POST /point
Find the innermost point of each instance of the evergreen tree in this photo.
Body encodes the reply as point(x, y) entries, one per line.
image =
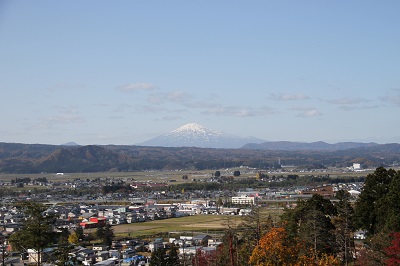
point(106, 234)
point(173, 257)
point(388, 207)
point(367, 214)
point(79, 233)
point(100, 233)
point(318, 232)
point(64, 247)
point(344, 227)
point(158, 257)
point(377, 211)
point(37, 229)
point(311, 221)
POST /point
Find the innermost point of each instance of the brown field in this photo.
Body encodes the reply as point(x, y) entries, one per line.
point(195, 223)
point(188, 223)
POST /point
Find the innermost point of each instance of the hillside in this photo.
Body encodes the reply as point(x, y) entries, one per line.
point(37, 158)
point(318, 146)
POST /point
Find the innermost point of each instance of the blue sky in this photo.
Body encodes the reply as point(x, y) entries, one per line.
point(121, 72)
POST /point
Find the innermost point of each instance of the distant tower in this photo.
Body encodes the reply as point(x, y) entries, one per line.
point(279, 161)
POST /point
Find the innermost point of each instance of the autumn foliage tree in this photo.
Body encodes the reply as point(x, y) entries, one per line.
point(203, 258)
point(277, 248)
point(73, 238)
point(393, 251)
point(374, 252)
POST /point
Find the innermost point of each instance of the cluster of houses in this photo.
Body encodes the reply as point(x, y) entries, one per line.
point(90, 211)
point(141, 209)
point(124, 253)
point(91, 216)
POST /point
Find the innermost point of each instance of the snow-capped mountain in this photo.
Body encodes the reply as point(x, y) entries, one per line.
point(195, 135)
point(71, 143)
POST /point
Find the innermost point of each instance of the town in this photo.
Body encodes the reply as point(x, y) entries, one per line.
point(92, 203)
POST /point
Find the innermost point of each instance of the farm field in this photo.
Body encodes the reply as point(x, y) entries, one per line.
point(160, 176)
point(196, 223)
point(155, 176)
point(202, 223)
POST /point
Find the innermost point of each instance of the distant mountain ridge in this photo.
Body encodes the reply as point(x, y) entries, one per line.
point(41, 158)
point(195, 135)
point(319, 145)
point(82, 159)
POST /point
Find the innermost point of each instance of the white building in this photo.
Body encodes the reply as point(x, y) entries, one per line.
point(243, 200)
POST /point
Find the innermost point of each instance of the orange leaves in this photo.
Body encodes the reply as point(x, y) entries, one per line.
point(327, 260)
point(277, 248)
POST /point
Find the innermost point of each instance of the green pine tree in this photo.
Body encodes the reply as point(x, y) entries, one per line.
point(158, 257)
point(173, 257)
point(37, 229)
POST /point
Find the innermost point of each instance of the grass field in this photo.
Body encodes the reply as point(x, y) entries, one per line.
point(196, 223)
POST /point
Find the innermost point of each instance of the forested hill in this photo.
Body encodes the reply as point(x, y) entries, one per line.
point(319, 145)
point(37, 158)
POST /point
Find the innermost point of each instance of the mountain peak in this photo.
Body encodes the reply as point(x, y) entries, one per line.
point(195, 135)
point(193, 127)
point(71, 143)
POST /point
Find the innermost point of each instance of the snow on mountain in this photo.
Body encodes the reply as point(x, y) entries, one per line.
point(195, 135)
point(71, 143)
